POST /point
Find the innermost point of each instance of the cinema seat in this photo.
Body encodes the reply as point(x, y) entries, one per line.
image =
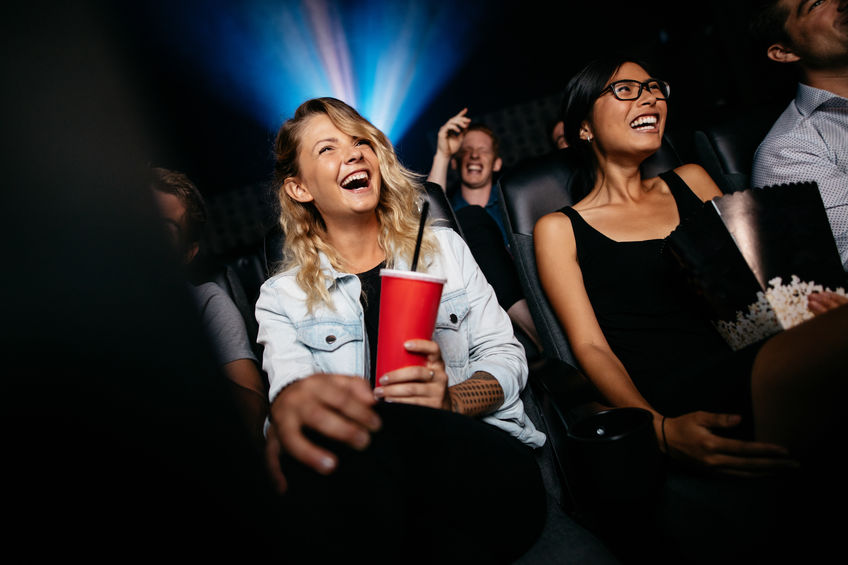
point(228, 279)
point(441, 210)
point(239, 276)
point(726, 149)
point(272, 248)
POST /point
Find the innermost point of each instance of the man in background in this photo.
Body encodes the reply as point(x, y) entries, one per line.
point(809, 141)
point(472, 148)
point(184, 213)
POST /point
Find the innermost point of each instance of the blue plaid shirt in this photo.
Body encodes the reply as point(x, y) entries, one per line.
point(809, 142)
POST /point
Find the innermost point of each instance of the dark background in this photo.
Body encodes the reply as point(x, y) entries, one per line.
point(121, 439)
point(525, 51)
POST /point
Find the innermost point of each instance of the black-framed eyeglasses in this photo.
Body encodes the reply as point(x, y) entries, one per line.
point(632, 89)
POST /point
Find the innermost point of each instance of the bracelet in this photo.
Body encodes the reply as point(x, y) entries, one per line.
point(665, 442)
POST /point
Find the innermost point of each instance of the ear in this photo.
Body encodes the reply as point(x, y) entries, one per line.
point(782, 54)
point(496, 166)
point(191, 252)
point(296, 190)
point(586, 131)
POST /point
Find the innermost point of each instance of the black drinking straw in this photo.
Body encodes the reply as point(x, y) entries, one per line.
point(425, 207)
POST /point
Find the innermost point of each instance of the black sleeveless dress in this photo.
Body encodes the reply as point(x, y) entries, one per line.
point(655, 325)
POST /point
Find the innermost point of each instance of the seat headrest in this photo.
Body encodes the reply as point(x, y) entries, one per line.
point(441, 210)
point(273, 248)
point(726, 149)
point(665, 159)
point(736, 140)
point(536, 187)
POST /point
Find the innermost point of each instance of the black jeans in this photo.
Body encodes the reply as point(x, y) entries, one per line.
point(433, 487)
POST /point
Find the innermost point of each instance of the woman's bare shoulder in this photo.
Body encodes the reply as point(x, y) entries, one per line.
point(553, 223)
point(552, 232)
point(699, 181)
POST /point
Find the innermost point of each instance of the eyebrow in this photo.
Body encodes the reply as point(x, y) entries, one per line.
point(330, 139)
point(170, 222)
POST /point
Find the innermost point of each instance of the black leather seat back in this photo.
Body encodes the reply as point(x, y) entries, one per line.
point(663, 160)
point(273, 248)
point(726, 149)
point(229, 280)
point(240, 276)
point(528, 192)
point(441, 210)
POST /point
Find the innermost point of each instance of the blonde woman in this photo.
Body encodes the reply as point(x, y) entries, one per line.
point(443, 451)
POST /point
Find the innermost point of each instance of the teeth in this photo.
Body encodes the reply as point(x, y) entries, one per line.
point(355, 176)
point(644, 121)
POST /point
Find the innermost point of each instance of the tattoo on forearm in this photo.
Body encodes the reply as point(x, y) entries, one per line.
point(478, 396)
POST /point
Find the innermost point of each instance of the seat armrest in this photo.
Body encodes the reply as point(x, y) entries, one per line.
point(563, 396)
point(570, 391)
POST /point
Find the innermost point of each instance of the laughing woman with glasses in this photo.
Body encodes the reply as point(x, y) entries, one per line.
point(635, 330)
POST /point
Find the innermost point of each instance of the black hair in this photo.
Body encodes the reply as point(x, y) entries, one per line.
point(178, 184)
point(580, 94)
point(480, 126)
point(768, 25)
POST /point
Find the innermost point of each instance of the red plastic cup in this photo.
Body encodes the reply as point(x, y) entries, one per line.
point(409, 302)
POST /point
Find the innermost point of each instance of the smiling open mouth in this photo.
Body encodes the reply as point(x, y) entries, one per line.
point(644, 122)
point(355, 180)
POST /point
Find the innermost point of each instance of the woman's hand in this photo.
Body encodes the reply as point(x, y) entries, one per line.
point(691, 437)
point(821, 302)
point(338, 406)
point(451, 134)
point(425, 386)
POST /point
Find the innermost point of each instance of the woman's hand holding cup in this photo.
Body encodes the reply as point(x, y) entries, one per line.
point(425, 385)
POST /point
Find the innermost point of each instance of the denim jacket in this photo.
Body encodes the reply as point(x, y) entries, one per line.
point(472, 331)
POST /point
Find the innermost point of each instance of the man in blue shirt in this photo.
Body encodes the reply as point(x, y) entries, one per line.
point(472, 149)
point(809, 142)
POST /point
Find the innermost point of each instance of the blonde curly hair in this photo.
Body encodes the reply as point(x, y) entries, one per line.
point(304, 229)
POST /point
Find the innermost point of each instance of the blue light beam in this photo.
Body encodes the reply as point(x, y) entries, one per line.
point(388, 59)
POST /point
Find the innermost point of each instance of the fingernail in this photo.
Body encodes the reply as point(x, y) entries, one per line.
point(327, 464)
point(408, 344)
point(378, 392)
point(384, 380)
point(361, 440)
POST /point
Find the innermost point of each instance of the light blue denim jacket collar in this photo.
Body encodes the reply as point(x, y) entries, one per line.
point(349, 281)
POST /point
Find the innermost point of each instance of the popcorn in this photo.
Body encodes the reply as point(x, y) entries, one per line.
point(780, 307)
